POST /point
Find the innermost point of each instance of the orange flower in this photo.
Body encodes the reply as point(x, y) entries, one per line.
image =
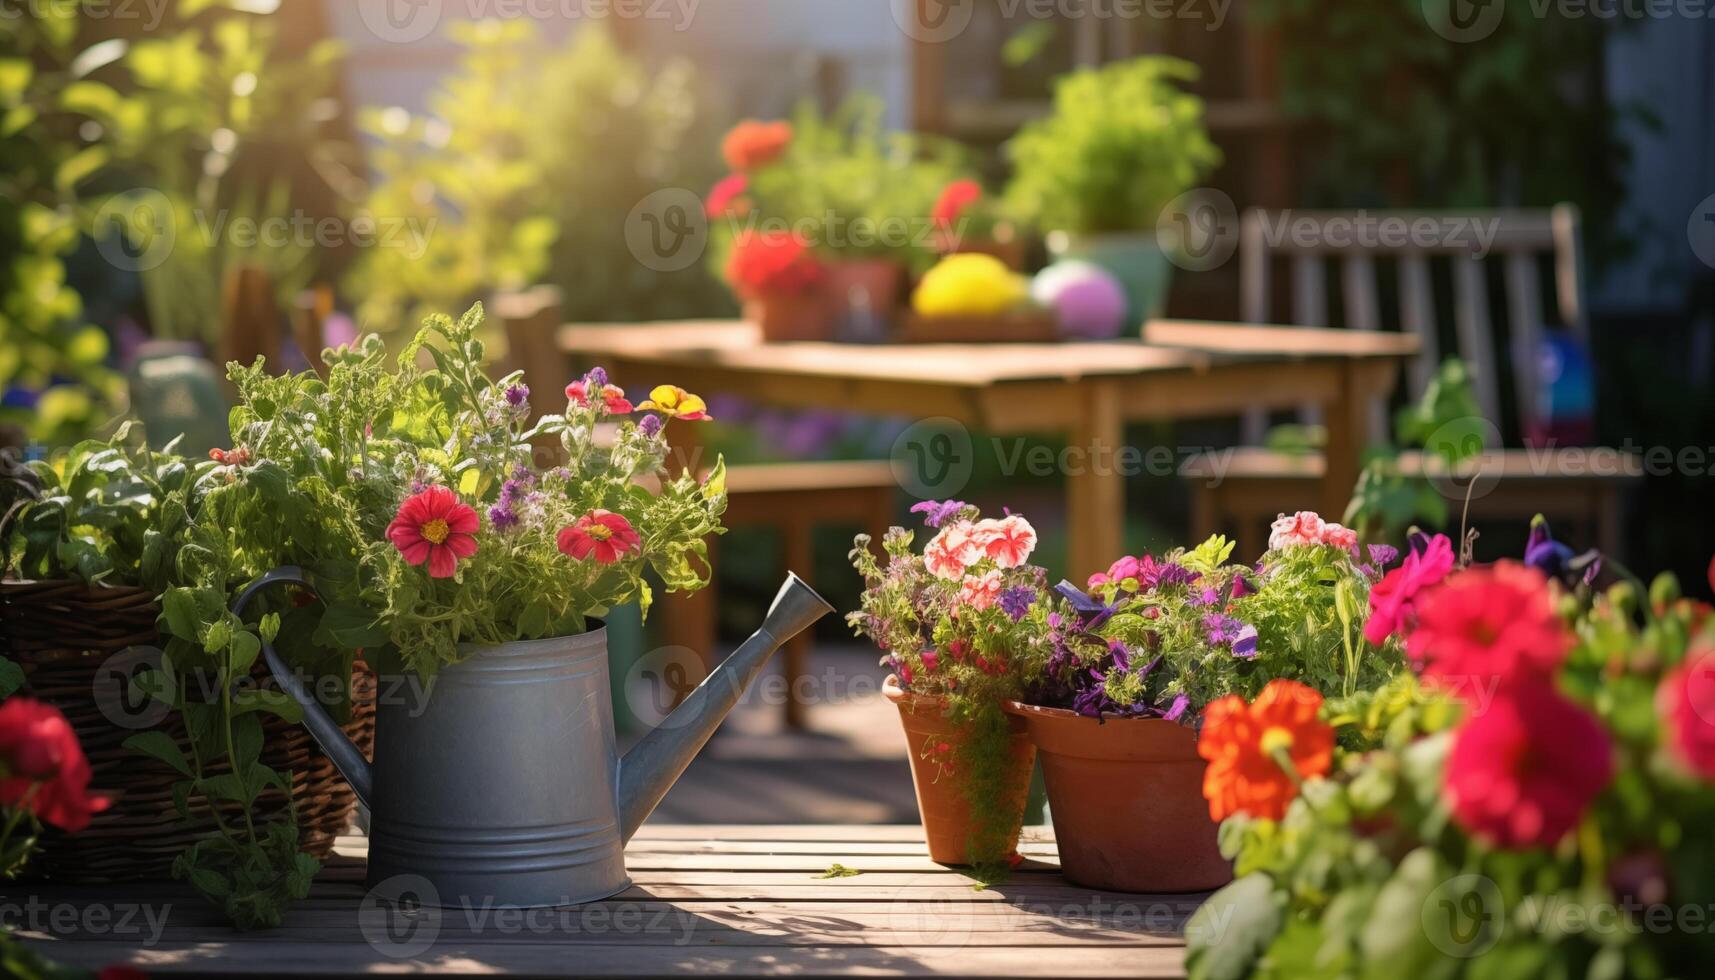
point(1247, 744)
point(752, 144)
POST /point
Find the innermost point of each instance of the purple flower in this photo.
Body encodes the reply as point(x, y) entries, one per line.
point(1244, 645)
point(1383, 555)
point(518, 395)
point(1174, 574)
point(1091, 612)
point(1227, 631)
point(502, 517)
point(1207, 597)
point(937, 512)
point(650, 426)
point(513, 489)
point(1177, 709)
point(1016, 601)
point(596, 379)
point(1543, 553)
point(1242, 586)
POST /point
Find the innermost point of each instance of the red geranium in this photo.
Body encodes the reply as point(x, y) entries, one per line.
point(435, 527)
point(43, 768)
point(726, 194)
point(752, 144)
point(1246, 744)
point(954, 199)
point(1687, 701)
point(1522, 773)
point(771, 262)
point(1491, 624)
point(602, 534)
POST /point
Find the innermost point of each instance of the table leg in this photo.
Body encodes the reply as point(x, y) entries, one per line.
point(1095, 487)
point(1348, 427)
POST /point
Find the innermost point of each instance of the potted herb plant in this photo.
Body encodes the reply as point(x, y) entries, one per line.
point(1122, 142)
point(955, 624)
point(1131, 668)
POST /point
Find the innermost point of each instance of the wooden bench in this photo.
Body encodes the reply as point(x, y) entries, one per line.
point(1564, 483)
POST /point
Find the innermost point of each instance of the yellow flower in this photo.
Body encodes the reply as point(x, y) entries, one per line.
point(676, 403)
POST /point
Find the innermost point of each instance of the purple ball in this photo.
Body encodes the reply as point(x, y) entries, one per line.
point(1089, 301)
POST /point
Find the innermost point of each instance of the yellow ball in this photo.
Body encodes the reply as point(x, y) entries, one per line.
point(968, 284)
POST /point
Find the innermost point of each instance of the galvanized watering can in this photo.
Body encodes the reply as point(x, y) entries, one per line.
point(503, 787)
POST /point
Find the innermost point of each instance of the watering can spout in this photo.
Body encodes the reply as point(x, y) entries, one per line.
point(655, 763)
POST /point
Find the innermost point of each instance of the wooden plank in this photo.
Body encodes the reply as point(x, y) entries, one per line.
point(1524, 331)
point(1476, 340)
point(1417, 318)
point(1096, 487)
point(1363, 312)
point(1262, 342)
point(1309, 292)
point(1254, 286)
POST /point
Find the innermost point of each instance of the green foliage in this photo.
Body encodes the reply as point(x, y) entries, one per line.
point(1449, 426)
point(1370, 877)
point(853, 188)
point(45, 161)
point(1122, 142)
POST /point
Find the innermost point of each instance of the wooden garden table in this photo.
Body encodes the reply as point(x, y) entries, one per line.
point(1085, 391)
point(732, 900)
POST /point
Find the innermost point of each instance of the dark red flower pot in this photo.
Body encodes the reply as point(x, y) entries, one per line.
point(1126, 796)
point(941, 799)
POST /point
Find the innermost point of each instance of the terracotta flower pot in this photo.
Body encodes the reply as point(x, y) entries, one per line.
point(879, 282)
point(796, 315)
point(1127, 801)
point(946, 813)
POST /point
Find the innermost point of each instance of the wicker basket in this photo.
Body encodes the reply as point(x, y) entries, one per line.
point(63, 633)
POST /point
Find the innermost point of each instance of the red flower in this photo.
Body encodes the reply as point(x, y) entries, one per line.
point(42, 767)
point(954, 199)
point(1687, 702)
point(1493, 624)
point(726, 195)
point(1393, 600)
point(753, 144)
point(435, 527)
point(1241, 743)
point(1522, 773)
point(612, 397)
point(771, 262)
point(601, 533)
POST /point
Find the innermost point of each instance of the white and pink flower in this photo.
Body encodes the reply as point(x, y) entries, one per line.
point(981, 591)
point(953, 550)
point(1008, 541)
point(1307, 528)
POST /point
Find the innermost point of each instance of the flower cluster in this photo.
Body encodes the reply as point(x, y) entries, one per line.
point(1162, 637)
point(772, 262)
point(1258, 753)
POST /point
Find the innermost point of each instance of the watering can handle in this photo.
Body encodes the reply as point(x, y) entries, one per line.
point(327, 733)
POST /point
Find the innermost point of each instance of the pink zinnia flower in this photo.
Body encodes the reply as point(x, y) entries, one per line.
point(1522, 773)
point(1393, 600)
point(1008, 541)
point(981, 591)
point(951, 551)
point(1495, 623)
point(606, 536)
point(435, 527)
point(612, 397)
point(1687, 702)
point(1302, 528)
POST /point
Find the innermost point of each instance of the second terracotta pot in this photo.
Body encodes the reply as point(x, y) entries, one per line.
point(941, 800)
point(800, 315)
point(1126, 796)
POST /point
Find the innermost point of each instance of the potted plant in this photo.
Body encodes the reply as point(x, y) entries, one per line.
point(782, 285)
point(955, 624)
point(1133, 667)
point(1518, 803)
point(417, 517)
point(966, 219)
point(1122, 142)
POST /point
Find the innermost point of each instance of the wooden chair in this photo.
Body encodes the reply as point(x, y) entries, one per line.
point(794, 498)
point(1567, 484)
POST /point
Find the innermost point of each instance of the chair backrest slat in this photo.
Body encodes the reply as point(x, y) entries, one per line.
point(1476, 339)
point(1524, 329)
point(1253, 269)
point(1358, 287)
point(1309, 292)
point(1417, 316)
point(1568, 266)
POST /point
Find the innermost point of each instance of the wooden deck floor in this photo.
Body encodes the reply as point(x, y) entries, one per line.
point(729, 900)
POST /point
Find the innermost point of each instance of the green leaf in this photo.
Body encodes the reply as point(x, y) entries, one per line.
point(179, 609)
point(348, 627)
point(277, 703)
point(1229, 932)
point(11, 678)
point(159, 745)
point(246, 740)
point(243, 653)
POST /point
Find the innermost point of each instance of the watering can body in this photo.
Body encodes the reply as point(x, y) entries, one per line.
point(497, 781)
